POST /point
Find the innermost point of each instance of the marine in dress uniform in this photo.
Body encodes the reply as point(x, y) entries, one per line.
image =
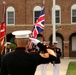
point(56, 63)
point(20, 62)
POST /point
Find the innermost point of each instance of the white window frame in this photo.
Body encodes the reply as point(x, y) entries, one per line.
point(10, 9)
point(36, 8)
point(57, 7)
point(73, 8)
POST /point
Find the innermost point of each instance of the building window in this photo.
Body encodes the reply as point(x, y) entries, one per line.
point(57, 14)
point(73, 13)
point(37, 13)
point(10, 16)
point(37, 10)
point(73, 16)
point(74, 43)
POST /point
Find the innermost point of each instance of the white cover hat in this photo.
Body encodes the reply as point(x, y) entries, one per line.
point(22, 33)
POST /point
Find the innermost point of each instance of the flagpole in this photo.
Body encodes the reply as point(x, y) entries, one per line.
point(53, 22)
point(4, 16)
point(5, 22)
point(43, 2)
point(3, 11)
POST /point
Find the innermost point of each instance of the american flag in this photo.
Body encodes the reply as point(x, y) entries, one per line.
point(39, 25)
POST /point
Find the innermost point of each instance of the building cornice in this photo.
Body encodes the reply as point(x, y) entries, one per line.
point(45, 25)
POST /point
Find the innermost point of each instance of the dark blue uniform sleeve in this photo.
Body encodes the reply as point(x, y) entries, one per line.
point(42, 47)
point(59, 52)
point(40, 60)
point(3, 68)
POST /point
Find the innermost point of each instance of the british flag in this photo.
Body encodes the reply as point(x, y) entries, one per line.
point(39, 25)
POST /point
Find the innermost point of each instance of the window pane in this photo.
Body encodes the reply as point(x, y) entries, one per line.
point(10, 17)
point(11, 21)
point(57, 12)
point(37, 13)
point(74, 12)
point(73, 15)
point(73, 19)
point(57, 16)
point(35, 19)
point(57, 20)
point(10, 14)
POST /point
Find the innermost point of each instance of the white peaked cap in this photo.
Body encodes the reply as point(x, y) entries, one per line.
point(22, 33)
point(55, 42)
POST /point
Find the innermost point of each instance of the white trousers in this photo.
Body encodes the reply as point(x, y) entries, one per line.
point(56, 68)
point(43, 69)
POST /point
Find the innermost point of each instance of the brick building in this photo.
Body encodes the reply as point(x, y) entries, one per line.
point(21, 15)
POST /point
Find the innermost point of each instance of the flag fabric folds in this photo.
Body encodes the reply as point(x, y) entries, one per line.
point(2, 30)
point(38, 26)
point(2, 35)
point(3, 27)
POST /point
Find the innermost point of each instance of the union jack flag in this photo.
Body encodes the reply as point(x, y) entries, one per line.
point(39, 25)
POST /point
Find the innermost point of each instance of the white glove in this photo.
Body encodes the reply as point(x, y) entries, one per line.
point(35, 41)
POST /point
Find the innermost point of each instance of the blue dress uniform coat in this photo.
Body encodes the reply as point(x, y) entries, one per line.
point(58, 53)
point(20, 62)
